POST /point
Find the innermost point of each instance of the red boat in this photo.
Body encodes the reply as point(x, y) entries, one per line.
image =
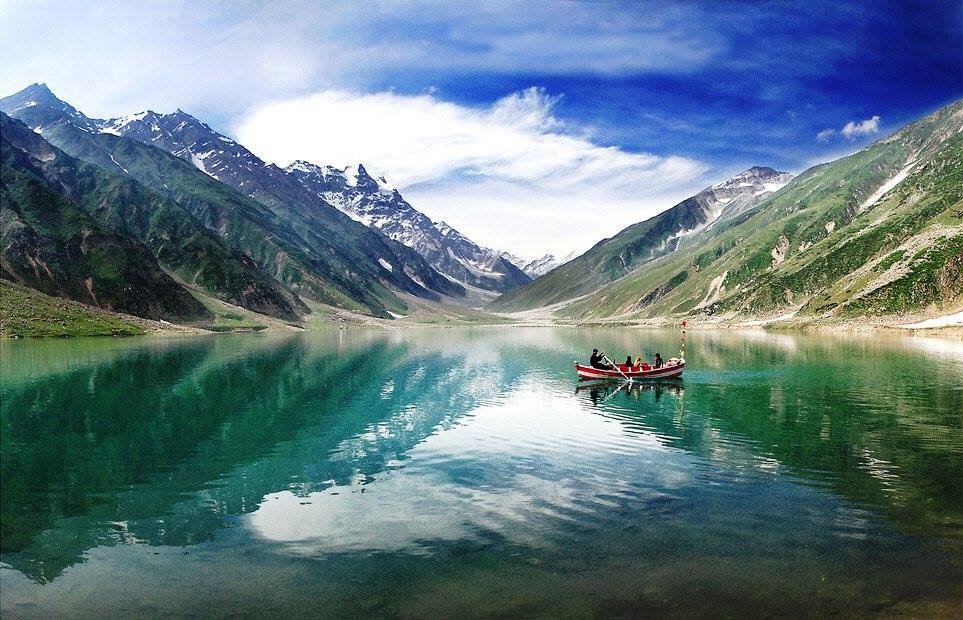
point(672, 369)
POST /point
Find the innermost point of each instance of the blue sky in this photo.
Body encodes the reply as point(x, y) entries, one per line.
point(569, 120)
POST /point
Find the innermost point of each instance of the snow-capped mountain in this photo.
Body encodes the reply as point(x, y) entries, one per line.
point(352, 191)
point(541, 265)
point(377, 204)
point(183, 135)
point(39, 108)
point(299, 238)
point(747, 189)
point(233, 164)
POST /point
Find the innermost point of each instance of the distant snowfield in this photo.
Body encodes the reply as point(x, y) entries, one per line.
point(948, 320)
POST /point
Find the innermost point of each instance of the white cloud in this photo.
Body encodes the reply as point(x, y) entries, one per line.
point(227, 56)
point(479, 168)
point(853, 129)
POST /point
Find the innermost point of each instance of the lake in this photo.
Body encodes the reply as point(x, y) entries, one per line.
point(455, 471)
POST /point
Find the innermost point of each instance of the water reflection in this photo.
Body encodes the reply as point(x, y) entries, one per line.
point(830, 452)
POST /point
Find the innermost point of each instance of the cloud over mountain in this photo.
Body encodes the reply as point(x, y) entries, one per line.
point(515, 149)
point(853, 129)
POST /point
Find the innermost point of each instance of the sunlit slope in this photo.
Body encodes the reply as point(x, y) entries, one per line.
point(26, 313)
point(878, 232)
point(639, 244)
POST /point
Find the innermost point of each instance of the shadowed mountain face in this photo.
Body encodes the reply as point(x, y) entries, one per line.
point(878, 232)
point(50, 244)
point(180, 243)
point(303, 242)
point(641, 243)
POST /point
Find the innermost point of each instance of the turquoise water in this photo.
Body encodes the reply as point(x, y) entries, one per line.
point(450, 471)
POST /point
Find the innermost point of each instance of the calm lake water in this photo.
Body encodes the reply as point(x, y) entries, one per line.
point(443, 472)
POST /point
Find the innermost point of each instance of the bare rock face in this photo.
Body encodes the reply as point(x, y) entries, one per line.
point(780, 250)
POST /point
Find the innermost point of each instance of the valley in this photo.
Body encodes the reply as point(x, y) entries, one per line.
point(222, 240)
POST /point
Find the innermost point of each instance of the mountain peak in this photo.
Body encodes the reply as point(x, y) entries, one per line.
point(180, 114)
point(760, 171)
point(39, 88)
point(38, 104)
point(443, 227)
point(301, 165)
point(761, 177)
point(37, 93)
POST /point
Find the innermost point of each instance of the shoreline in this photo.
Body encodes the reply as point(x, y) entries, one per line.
point(350, 321)
point(230, 319)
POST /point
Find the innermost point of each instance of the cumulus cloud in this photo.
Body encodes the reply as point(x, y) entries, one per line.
point(851, 130)
point(854, 129)
point(477, 167)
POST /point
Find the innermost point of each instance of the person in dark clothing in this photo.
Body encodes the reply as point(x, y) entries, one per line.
point(658, 361)
point(628, 361)
point(597, 360)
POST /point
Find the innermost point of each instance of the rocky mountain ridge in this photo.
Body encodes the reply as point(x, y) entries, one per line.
point(351, 190)
point(377, 204)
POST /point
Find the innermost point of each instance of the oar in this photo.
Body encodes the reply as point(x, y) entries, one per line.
point(615, 366)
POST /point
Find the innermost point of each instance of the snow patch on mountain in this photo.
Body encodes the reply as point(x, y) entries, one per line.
point(738, 194)
point(890, 183)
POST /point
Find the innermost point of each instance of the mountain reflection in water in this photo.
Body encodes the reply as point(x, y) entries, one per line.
point(783, 471)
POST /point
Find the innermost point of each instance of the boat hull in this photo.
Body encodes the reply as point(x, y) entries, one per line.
point(669, 371)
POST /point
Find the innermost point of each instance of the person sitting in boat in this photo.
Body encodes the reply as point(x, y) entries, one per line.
point(638, 362)
point(628, 362)
point(597, 360)
point(658, 361)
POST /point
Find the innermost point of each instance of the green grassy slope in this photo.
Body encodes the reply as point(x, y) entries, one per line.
point(26, 313)
point(179, 242)
point(641, 243)
point(608, 260)
point(47, 243)
point(817, 246)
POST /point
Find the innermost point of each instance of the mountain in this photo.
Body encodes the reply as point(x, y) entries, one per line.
point(541, 265)
point(324, 227)
point(177, 240)
point(879, 232)
point(253, 207)
point(49, 244)
point(376, 204)
point(646, 241)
